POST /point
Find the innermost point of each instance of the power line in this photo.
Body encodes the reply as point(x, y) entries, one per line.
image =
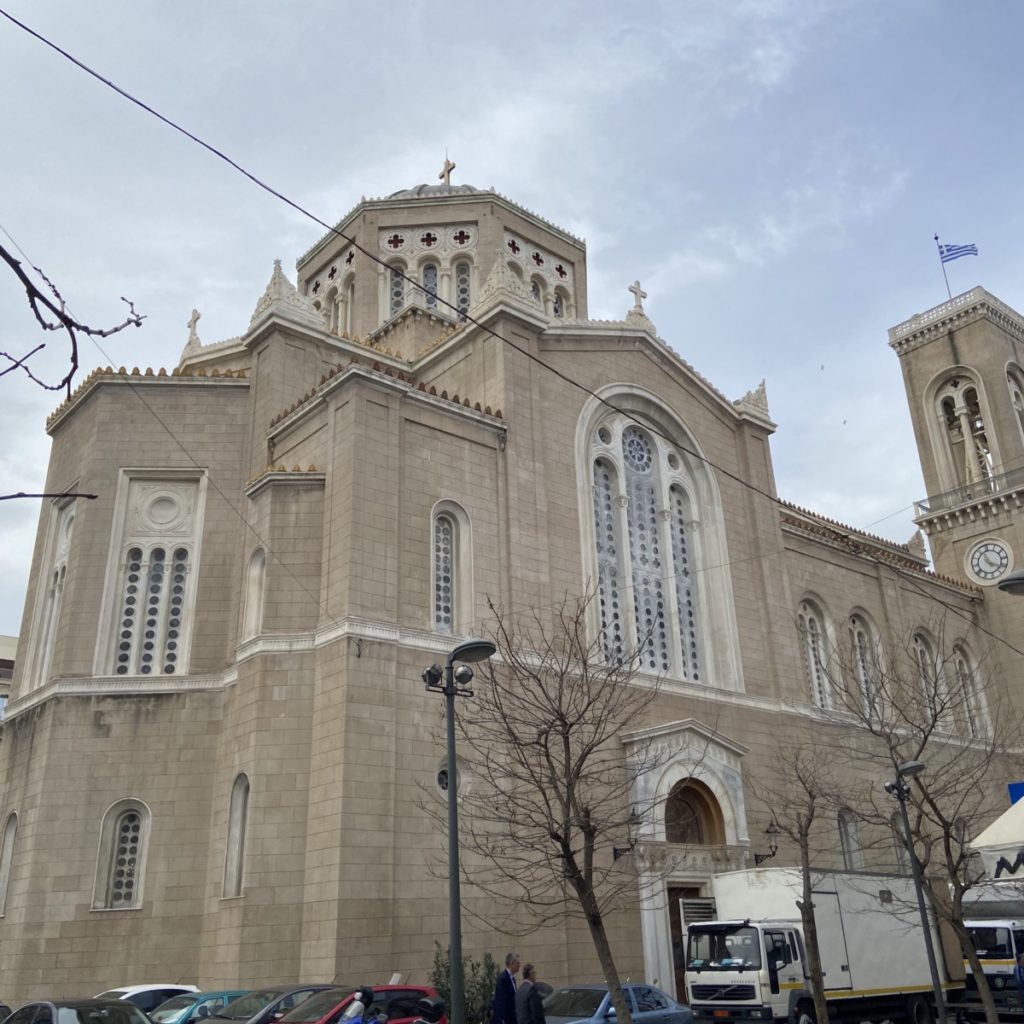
point(461, 314)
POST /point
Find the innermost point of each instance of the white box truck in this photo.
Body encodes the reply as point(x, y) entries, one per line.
point(751, 964)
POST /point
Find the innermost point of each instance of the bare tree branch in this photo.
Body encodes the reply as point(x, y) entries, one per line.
point(53, 316)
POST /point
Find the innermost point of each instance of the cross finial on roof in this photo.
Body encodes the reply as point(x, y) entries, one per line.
point(193, 337)
point(446, 171)
point(638, 294)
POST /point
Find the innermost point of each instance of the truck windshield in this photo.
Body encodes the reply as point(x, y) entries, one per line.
point(992, 942)
point(724, 949)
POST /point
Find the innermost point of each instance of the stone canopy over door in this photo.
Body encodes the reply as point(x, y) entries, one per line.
point(692, 824)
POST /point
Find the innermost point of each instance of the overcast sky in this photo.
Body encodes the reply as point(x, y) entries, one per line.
point(773, 172)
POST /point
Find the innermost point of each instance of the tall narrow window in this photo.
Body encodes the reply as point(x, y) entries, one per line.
point(679, 509)
point(396, 289)
point(1016, 386)
point(124, 835)
point(849, 841)
point(560, 304)
point(7, 859)
point(430, 285)
point(462, 287)
point(972, 712)
point(50, 620)
point(348, 292)
point(609, 545)
point(864, 657)
point(811, 627)
point(255, 583)
point(444, 573)
point(234, 855)
point(151, 609)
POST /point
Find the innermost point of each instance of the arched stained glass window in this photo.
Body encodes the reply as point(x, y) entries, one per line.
point(444, 573)
point(645, 552)
point(972, 711)
point(865, 660)
point(396, 289)
point(124, 835)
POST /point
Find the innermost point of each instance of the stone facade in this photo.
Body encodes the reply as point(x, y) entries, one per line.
point(275, 503)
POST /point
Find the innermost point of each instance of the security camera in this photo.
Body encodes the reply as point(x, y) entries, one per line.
point(892, 788)
point(432, 675)
point(463, 675)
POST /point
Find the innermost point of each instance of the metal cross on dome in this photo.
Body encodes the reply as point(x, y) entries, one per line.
point(638, 294)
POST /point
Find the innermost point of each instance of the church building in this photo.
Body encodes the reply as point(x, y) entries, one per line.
point(217, 745)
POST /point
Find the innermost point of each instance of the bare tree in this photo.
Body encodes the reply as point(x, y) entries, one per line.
point(801, 797)
point(551, 791)
point(51, 314)
point(919, 701)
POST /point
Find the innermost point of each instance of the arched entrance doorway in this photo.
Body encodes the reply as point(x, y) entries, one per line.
point(693, 817)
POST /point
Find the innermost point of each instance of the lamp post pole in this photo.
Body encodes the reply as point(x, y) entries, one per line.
point(457, 984)
point(455, 683)
point(901, 789)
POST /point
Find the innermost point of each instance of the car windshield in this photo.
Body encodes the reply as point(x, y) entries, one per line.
point(724, 948)
point(171, 1009)
point(573, 1002)
point(125, 1013)
point(317, 1005)
point(248, 1006)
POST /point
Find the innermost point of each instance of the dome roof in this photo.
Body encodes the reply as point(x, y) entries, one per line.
point(423, 191)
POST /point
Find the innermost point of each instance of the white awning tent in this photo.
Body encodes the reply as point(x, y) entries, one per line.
point(1001, 845)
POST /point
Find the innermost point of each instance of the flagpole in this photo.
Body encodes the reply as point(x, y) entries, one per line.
point(943, 265)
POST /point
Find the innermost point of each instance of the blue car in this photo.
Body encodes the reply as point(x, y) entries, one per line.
point(193, 1006)
point(591, 1004)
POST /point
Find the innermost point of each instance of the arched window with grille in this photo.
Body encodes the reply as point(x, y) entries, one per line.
point(813, 647)
point(7, 858)
point(463, 287)
point(864, 660)
point(428, 277)
point(451, 574)
point(652, 516)
point(849, 841)
point(120, 864)
point(396, 288)
point(234, 853)
point(973, 715)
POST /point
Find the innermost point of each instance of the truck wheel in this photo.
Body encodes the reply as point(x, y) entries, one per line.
point(919, 1010)
point(805, 1013)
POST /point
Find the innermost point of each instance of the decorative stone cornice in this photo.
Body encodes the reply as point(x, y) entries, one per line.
point(281, 475)
point(754, 404)
point(134, 378)
point(957, 312)
point(282, 299)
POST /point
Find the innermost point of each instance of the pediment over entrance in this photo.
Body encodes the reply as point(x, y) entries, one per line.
point(688, 753)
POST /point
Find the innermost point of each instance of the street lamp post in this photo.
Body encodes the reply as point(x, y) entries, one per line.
point(900, 789)
point(455, 681)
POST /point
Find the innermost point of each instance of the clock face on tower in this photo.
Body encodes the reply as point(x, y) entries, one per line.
point(989, 561)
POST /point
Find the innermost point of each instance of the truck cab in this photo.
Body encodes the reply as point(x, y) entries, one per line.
point(998, 942)
point(743, 970)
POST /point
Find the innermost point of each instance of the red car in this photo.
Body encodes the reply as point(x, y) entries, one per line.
point(398, 1003)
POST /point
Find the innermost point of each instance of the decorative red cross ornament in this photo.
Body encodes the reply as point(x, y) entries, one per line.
point(538, 259)
point(560, 270)
point(513, 245)
point(332, 273)
point(428, 239)
point(461, 237)
point(316, 287)
point(396, 241)
point(350, 257)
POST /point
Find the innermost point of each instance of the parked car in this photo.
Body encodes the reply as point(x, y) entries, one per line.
point(580, 1004)
point(266, 1005)
point(79, 1011)
point(146, 997)
point(193, 1006)
point(398, 1003)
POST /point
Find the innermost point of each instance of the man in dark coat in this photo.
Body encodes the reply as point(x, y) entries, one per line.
point(505, 992)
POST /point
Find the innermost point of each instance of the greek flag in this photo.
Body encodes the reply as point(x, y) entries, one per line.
point(954, 252)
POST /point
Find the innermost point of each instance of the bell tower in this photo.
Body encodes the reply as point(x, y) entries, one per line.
point(963, 369)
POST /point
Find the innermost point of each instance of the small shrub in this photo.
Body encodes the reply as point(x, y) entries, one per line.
point(481, 976)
